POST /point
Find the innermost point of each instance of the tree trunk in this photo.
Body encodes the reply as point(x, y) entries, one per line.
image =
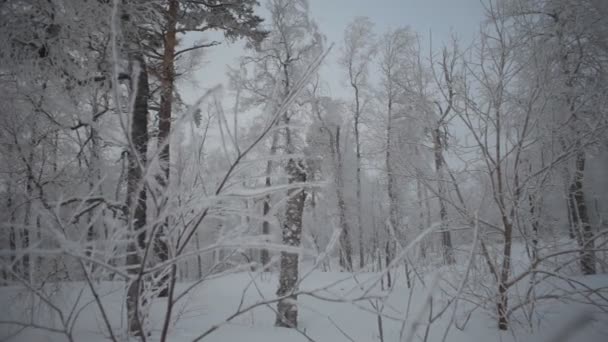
point(446, 237)
point(358, 154)
point(346, 250)
point(582, 222)
point(25, 231)
point(421, 217)
point(580, 215)
point(167, 79)
point(388, 258)
point(393, 196)
point(264, 254)
point(570, 207)
point(199, 260)
point(94, 177)
point(287, 309)
point(429, 217)
point(502, 305)
point(136, 192)
point(12, 240)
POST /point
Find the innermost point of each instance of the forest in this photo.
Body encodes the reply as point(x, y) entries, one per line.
point(390, 186)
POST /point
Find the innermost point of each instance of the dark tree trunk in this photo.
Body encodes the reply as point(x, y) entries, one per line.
point(94, 177)
point(199, 260)
point(421, 217)
point(388, 259)
point(582, 224)
point(12, 237)
point(161, 249)
point(503, 305)
point(287, 308)
point(535, 224)
point(264, 254)
point(580, 216)
point(136, 191)
point(571, 209)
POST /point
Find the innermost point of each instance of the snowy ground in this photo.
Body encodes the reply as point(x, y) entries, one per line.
point(321, 320)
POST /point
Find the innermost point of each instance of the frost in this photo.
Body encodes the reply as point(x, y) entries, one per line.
point(398, 184)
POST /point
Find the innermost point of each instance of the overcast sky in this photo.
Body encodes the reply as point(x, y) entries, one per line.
point(441, 17)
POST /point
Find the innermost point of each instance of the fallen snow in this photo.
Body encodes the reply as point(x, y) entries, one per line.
point(216, 299)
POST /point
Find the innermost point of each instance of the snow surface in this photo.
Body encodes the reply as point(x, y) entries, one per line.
point(216, 299)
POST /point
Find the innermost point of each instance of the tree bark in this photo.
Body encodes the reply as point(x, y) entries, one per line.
point(358, 155)
point(136, 192)
point(446, 237)
point(578, 205)
point(535, 224)
point(502, 305)
point(346, 250)
point(94, 177)
point(581, 220)
point(199, 260)
point(12, 240)
point(167, 79)
point(287, 308)
point(393, 196)
point(264, 254)
point(421, 217)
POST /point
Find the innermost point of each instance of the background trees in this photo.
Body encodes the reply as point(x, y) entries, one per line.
point(457, 159)
point(359, 47)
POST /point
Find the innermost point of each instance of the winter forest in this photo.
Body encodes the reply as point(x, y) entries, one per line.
point(391, 185)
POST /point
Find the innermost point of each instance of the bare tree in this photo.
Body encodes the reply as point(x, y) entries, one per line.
point(180, 17)
point(136, 189)
point(496, 52)
point(328, 111)
point(394, 51)
point(279, 63)
point(445, 81)
point(358, 50)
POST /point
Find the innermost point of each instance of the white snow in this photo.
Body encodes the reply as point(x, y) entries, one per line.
point(322, 320)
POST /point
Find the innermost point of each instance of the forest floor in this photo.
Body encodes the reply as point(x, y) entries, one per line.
point(332, 312)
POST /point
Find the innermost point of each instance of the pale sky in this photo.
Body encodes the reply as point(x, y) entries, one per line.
point(441, 17)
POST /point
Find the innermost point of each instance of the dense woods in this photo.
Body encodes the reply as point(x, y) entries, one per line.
point(470, 173)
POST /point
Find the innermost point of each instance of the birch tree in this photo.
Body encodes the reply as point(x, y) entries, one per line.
point(330, 140)
point(355, 57)
point(394, 51)
point(277, 67)
point(297, 40)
